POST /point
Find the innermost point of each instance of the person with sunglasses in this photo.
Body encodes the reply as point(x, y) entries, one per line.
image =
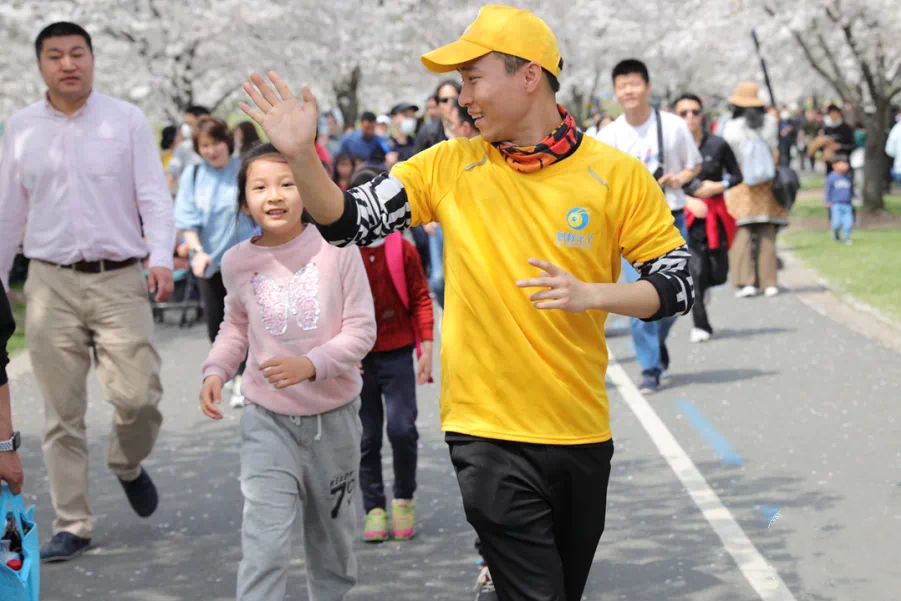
point(438, 131)
point(710, 226)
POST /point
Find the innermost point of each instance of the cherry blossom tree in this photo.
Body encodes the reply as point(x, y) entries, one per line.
point(853, 46)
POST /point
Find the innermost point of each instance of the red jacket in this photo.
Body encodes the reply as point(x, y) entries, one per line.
point(716, 213)
point(397, 326)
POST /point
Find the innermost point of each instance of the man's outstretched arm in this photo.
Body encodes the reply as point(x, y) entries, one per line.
point(665, 289)
point(358, 216)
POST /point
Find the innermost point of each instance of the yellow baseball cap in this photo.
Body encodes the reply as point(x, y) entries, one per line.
point(503, 29)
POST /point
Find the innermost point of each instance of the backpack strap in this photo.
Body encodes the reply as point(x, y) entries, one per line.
point(394, 255)
point(660, 155)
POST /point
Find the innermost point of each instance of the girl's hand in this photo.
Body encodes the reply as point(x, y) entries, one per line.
point(424, 371)
point(290, 125)
point(288, 371)
point(210, 396)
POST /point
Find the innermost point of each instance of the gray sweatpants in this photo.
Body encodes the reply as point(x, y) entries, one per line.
point(311, 463)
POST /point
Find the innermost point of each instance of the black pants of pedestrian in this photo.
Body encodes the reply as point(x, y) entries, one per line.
point(538, 510)
point(212, 295)
point(708, 268)
point(389, 374)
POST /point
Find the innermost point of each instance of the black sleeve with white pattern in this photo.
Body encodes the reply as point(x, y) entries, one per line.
point(371, 212)
point(669, 275)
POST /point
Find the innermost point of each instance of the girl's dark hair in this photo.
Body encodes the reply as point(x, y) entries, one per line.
point(753, 115)
point(364, 175)
point(250, 137)
point(215, 128)
point(340, 157)
point(259, 151)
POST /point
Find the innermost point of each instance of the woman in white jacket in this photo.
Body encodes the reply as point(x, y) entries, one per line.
point(754, 207)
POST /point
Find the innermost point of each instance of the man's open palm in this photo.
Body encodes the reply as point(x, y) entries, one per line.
point(291, 127)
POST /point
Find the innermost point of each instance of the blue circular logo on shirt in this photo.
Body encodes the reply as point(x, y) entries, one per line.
point(577, 218)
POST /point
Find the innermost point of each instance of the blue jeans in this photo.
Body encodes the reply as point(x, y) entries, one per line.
point(843, 219)
point(436, 257)
point(648, 337)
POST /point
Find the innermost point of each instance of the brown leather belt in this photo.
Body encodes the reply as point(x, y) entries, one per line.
point(94, 266)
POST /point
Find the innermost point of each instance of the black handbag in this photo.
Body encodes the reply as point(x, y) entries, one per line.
point(785, 186)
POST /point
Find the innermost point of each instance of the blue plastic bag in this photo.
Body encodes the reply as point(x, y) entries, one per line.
point(24, 585)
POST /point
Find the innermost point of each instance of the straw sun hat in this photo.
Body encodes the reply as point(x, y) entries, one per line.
point(745, 95)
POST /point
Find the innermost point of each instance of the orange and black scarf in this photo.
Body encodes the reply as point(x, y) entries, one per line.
point(558, 145)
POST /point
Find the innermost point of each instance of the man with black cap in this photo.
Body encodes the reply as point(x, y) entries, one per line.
point(403, 129)
point(531, 203)
point(841, 134)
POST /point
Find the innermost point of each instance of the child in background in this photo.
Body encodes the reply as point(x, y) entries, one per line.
point(839, 196)
point(344, 170)
point(304, 310)
point(403, 315)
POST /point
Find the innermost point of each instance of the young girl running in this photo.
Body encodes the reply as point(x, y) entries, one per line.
point(304, 309)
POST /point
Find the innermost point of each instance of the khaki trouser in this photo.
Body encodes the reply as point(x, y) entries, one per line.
point(67, 314)
point(741, 261)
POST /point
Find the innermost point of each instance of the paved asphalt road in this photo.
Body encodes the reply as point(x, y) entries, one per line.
point(783, 411)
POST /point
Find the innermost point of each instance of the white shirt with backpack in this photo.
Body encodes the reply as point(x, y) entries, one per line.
point(754, 148)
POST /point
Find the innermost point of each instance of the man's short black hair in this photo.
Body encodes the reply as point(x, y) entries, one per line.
point(368, 117)
point(464, 115)
point(688, 96)
point(167, 137)
point(833, 108)
point(58, 30)
point(630, 66)
point(198, 110)
point(512, 64)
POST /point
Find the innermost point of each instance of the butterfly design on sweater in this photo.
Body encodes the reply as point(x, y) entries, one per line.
point(297, 297)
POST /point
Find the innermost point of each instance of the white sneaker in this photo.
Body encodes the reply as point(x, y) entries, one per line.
point(237, 400)
point(699, 335)
point(771, 291)
point(746, 292)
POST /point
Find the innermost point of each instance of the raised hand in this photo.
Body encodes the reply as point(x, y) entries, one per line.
point(290, 125)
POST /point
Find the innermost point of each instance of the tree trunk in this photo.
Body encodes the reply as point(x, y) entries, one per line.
point(577, 105)
point(346, 92)
point(875, 161)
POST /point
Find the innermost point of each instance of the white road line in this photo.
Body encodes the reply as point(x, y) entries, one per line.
point(762, 577)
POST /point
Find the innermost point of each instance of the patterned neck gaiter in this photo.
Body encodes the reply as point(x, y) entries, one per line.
point(558, 145)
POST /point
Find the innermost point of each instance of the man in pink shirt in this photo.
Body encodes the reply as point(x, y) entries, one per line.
point(82, 170)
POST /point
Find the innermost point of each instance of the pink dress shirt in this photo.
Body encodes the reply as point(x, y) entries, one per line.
point(80, 182)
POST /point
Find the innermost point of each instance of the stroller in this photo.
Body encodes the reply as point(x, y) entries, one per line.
point(185, 298)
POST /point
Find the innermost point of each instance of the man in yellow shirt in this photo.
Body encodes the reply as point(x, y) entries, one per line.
point(523, 402)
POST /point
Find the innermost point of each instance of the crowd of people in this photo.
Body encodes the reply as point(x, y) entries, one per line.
point(323, 343)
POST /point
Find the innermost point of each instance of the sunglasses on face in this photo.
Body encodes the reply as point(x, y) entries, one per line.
point(447, 99)
point(685, 113)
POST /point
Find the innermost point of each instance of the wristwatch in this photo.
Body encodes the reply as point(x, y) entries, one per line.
point(12, 444)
